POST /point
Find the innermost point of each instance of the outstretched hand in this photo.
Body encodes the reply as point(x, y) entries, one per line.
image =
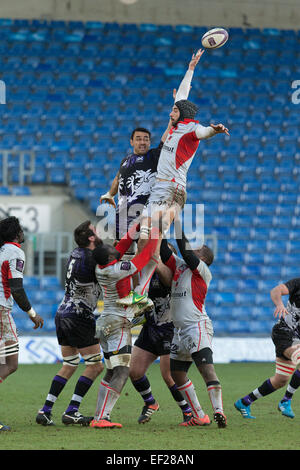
point(220, 129)
point(108, 198)
point(195, 59)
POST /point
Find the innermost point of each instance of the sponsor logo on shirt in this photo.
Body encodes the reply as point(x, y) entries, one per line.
point(168, 149)
point(179, 294)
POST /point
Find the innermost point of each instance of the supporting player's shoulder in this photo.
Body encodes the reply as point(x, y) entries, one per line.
point(204, 272)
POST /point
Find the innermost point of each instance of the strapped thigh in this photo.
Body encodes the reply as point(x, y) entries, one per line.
point(9, 350)
point(118, 358)
point(284, 369)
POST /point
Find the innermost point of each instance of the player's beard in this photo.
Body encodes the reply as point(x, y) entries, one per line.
point(97, 241)
point(21, 237)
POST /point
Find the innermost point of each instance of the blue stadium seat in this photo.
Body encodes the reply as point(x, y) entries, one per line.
point(62, 96)
point(50, 283)
point(21, 191)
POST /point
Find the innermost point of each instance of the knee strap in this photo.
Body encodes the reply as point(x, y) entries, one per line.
point(91, 359)
point(295, 357)
point(284, 369)
point(71, 360)
point(9, 350)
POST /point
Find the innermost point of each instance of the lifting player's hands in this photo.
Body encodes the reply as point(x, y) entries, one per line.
point(220, 129)
point(280, 311)
point(195, 59)
point(108, 198)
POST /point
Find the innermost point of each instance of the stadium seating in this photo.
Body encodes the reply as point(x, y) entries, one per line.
point(76, 90)
point(45, 294)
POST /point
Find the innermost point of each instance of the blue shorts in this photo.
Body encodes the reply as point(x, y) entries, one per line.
point(77, 332)
point(156, 339)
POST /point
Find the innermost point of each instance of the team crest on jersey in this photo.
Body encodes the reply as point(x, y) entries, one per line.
point(125, 265)
point(19, 265)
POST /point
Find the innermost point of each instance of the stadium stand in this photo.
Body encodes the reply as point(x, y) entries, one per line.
point(75, 92)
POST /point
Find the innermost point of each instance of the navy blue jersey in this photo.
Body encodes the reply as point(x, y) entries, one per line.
point(160, 295)
point(82, 290)
point(293, 306)
point(137, 174)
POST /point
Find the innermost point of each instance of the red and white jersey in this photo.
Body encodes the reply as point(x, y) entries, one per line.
point(115, 280)
point(189, 289)
point(12, 263)
point(179, 150)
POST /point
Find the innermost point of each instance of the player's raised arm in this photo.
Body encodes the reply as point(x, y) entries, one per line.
point(185, 86)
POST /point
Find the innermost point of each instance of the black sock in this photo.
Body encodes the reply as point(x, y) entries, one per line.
point(57, 386)
point(179, 399)
point(292, 386)
point(144, 388)
point(82, 387)
point(265, 389)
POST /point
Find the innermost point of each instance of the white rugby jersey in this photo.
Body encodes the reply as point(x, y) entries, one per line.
point(189, 289)
point(12, 263)
point(179, 150)
point(115, 280)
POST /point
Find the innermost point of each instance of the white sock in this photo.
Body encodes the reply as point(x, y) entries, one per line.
point(107, 398)
point(189, 393)
point(215, 395)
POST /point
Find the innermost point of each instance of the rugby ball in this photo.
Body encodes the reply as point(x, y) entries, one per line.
point(214, 38)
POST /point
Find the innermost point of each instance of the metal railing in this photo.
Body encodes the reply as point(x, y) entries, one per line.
point(47, 254)
point(22, 170)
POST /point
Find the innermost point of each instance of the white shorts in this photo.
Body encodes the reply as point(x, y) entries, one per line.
point(190, 339)
point(115, 333)
point(8, 329)
point(164, 194)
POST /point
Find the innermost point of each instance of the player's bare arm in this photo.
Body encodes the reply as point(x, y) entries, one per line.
point(185, 85)
point(276, 296)
point(109, 196)
point(164, 273)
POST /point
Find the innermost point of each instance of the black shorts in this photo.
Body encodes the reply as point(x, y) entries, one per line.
point(77, 332)
point(282, 337)
point(156, 339)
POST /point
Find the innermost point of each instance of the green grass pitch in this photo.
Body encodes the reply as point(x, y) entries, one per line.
point(22, 394)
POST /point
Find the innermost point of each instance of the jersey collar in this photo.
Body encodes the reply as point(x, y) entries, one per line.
point(186, 121)
point(13, 243)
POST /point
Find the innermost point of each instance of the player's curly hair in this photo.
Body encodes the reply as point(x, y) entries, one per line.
point(10, 229)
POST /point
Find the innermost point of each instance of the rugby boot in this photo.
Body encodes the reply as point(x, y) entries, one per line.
point(140, 320)
point(131, 299)
point(244, 410)
point(220, 419)
point(44, 418)
point(286, 409)
point(3, 427)
point(147, 412)
point(139, 309)
point(190, 420)
point(104, 423)
point(74, 417)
